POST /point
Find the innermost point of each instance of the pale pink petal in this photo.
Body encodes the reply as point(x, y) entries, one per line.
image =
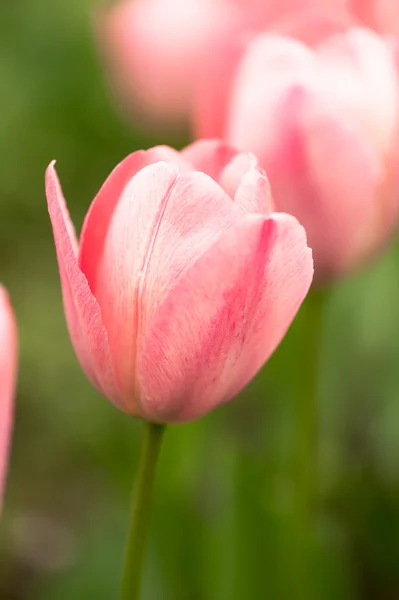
point(209, 156)
point(100, 212)
point(217, 77)
point(342, 70)
point(164, 220)
point(82, 312)
point(231, 169)
point(8, 371)
point(361, 76)
point(253, 193)
point(324, 172)
point(155, 49)
point(326, 134)
point(225, 317)
point(220, 161)
point(270, 65)
point(214, 84)
point(347, 189)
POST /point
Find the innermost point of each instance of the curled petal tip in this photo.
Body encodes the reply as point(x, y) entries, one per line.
point(51, 165)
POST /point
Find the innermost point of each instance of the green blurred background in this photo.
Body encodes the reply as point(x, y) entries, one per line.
point(225, 525)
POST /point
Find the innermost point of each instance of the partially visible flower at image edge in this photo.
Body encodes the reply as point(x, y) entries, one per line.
point(8, 369)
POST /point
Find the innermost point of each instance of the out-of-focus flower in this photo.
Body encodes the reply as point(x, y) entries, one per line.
point(8, 368)
point(184, 281)
point(323, 122)
point(156, 50)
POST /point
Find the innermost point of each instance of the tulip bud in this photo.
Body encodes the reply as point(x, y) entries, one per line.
point(184, 281)
point(8, 367)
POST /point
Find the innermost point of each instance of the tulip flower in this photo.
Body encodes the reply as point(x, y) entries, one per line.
point(153, 49)
point(323, 121)
point(184, 280)
point(8, 361)
point(157, 50)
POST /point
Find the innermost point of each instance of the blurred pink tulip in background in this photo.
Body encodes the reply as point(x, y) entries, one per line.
point(184, 281)
point(157, 50)
point(155, 47)
point(8, 368)
point(323, 121)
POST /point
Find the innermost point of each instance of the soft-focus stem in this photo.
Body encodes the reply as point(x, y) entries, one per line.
point(151, 444)
point(307, 423)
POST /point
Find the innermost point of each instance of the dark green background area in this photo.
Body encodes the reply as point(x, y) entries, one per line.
point(224, 525)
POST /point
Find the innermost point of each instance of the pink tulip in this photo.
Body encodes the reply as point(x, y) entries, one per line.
point(157, 50)
point(8, 362)
point(323, 122)
point(184, 281)
point(154, 48)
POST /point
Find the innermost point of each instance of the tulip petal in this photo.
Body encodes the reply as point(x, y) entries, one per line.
point(156, 48)
point(214, 85)
point(209, 156)
point(163, 222)
point(346, 189)
point(224, 318)
point(327, 201)
point(253, 191)
point(8, 368)
point(97, 220)
point(270, 65)
point(352, 64)
point(228, 167)
point(82, 312)
point(324, 132)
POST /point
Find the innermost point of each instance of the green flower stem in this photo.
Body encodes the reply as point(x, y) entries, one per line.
point(305, 386)
point(307, 423)
point(131, 582)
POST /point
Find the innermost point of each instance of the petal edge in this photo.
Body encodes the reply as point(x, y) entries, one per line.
point(225, 317)
point(83, 315)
